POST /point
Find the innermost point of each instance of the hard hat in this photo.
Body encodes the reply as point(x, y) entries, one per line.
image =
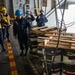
point(4, 9)
point(41, 10)
point(28, 12)
point(18, 13)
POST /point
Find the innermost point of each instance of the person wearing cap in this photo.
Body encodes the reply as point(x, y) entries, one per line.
point(6, 18)
point(41, 19)
point(20, 31)
point(29, 16)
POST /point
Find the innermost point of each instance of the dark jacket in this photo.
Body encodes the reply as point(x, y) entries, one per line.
point(30, 19)
point(41, 20)
point(20, 26)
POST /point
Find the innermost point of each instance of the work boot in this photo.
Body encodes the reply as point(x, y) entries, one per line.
point(25, 53)
point(3, 50)
point(21, 53)
point(8, 40)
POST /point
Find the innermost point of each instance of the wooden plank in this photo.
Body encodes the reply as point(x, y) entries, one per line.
point(52, 39)
point(54, 46)
point(61, 38)
point(36, 28)
point(64, 36)
point(48, 29)
point(61, 43)
point(64, 33)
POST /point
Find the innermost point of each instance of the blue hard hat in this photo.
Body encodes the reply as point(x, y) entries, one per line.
point(41, 10)
point(18, 13)
point(28, 12)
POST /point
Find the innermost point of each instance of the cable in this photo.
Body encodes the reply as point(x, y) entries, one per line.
point(69, 24)
point(51, 10)
point(58, 38)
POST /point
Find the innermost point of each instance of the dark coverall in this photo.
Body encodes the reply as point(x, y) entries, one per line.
point(20, 28)
point(41, 20)
point(30, 19)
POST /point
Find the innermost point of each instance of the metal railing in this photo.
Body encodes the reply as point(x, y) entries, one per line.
point(52, 10)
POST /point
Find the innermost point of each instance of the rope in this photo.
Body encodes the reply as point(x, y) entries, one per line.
point(69, 24)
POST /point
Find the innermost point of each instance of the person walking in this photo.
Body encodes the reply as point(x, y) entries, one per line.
point(20, 31)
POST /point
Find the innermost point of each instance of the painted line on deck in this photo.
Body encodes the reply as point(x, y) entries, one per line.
point(13, 68)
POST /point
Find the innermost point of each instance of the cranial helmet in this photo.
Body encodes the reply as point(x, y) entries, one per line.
point(18, 13)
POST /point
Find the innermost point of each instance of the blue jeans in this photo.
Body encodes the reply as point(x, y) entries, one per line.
point(5, 32)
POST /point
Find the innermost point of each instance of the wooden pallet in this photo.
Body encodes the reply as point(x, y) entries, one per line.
point(42, 30)
point(65, 42)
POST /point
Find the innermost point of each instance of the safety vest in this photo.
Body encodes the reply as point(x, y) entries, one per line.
point(6, 19)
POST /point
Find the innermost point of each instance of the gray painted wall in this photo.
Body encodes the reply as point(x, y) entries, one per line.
point(9, 6)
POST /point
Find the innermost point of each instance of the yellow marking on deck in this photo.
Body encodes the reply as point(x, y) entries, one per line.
point(10, 51)
point(12, 64)
point(14, 72)
point(11, 59)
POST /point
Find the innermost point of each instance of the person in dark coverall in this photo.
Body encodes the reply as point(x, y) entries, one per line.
point(41, 19)
point(29, 17)
point(20, 31)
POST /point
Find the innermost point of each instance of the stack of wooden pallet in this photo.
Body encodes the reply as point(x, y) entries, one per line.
point(66, 41)
point(67, 47)
point(65, 56)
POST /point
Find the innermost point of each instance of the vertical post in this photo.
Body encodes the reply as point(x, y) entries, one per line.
point(35, 7)
point(56, 14)
point(45, 9)
point(61, 61)
point(38, 5)
point(44, 55)
point(52, 4)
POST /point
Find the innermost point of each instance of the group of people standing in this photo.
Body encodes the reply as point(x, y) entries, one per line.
point(21, 27)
